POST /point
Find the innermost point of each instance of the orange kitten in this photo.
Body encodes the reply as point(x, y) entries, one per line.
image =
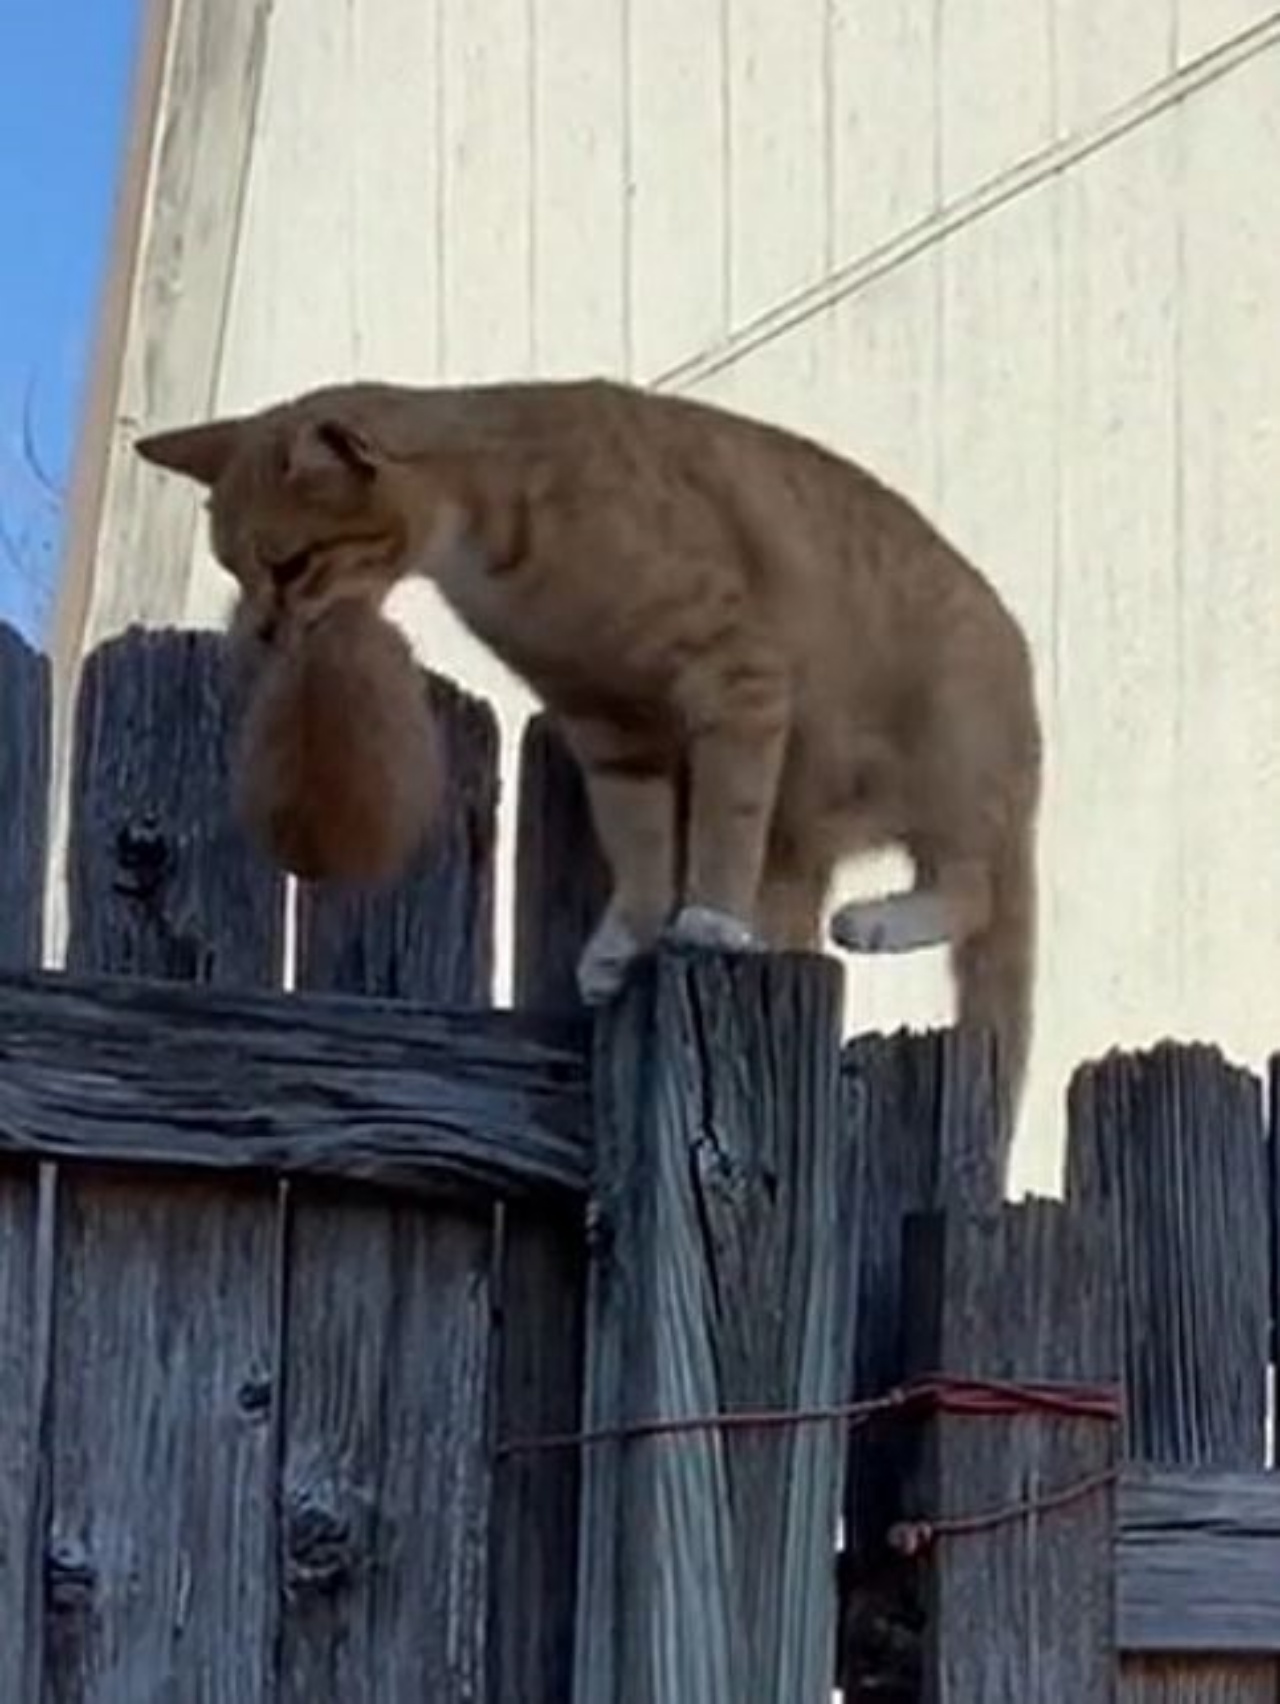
point(691, 593)
point(335, 769)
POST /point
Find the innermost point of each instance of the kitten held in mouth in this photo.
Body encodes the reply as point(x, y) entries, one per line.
point(335, 770)
point(698, 598)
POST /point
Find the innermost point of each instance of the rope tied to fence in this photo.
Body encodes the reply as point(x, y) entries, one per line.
point(931, 1396)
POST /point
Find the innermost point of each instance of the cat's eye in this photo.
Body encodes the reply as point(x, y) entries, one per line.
point(291, 568)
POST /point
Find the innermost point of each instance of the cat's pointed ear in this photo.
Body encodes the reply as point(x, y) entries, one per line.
point(199, 452)
point(322, 450)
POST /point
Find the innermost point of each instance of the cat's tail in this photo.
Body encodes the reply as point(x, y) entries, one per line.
point(994, 971)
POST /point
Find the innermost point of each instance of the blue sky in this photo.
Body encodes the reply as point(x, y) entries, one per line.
point(65, 73)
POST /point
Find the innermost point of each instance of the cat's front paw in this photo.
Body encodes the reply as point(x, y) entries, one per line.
point(605, 961)
point(703, 927)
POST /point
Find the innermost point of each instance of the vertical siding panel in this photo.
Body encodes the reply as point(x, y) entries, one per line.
point(996, 94)
point(884, 123)
point(678, 176)
point(393, 132)
point(580, 212)
point(1230, 640)
point(1117, 609)
point(290, 308)
point(487, 188)
point(999, 500)
point(188, 246)
point(290, 317)
point(1106, 54)
point(776, 151)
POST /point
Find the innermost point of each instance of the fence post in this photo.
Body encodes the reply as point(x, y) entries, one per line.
point(560, 885)
point(24, 784)
point(160, 881)
point(1168, 1151)
point(1016, 1508)
point(920, 1113)
point(722, 1248)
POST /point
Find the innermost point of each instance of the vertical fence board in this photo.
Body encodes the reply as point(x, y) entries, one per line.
point(385, 1483)
point(161, 883)
point(22, 1357)
point(1167, 1147)
point(534, 1522)
point(431, 936)
point(562, 882)
point(721, 1268)
point(24, 788)
point(386, 1471)
point(919, 1112)
point(160, 1575)
point(1024, 1608)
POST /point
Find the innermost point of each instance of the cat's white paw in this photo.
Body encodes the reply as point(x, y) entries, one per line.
point(900, 923)
point(713, 931)
point(605, 961)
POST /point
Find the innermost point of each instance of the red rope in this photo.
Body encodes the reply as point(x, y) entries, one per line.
point(934, 1394)
point(937, 1394)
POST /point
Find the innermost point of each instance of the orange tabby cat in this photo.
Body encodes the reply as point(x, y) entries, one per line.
point(695, 593)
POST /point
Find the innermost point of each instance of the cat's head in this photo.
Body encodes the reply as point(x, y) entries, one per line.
point(304, 507)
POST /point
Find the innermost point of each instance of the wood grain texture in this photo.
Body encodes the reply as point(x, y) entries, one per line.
point(286, 1084)
point(24, 790)
point(775, 151)
point(919, 1112)
point(1166, 1148)
point(542, 1283)
point(1023, 1610)
point(1198, 1562)
point(385, 1480)
point(160, 881)
point(160, 1570)
point(23, 1351)
point(723, 1251)
point(534, 1522)
point(562, 881)
point(431, 936)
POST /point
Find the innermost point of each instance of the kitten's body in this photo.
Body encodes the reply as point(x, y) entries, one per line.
point(690, 592)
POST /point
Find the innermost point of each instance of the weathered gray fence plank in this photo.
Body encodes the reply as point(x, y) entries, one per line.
point(389, 1328)
point(534, 1526)
point(722, 1262)
point(342, 1088)
point(385, 1481)
point(431, 936)
point(1199, 1562)
point(1167, 1148)
point(160, 881)
point(920, 1112)
point(24, 798)
point(560, 883)
point(1023, 1608)
point(160, 1572)
point(22, 1376)
point(561, 879)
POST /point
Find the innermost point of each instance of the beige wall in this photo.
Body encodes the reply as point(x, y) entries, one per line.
point(1019, 256)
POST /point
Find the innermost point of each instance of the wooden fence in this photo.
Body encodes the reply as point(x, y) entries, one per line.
point(307, 1300)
